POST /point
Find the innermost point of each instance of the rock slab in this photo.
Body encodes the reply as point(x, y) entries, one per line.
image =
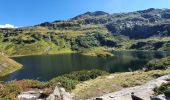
point(144, 91)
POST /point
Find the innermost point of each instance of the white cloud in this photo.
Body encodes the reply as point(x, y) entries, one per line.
point(7, 26)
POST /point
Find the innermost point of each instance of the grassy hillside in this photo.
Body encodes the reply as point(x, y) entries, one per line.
point(40, 40)
point(140, 30)
point(114, 82)
point(8, 65)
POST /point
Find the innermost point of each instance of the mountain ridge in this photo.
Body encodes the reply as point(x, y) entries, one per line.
point(116, 22)
point(139, 30)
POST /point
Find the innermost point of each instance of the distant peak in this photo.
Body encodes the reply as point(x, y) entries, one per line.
point(150, 10)
point(99, 13)
point(87, 13)
point(92, 14)
point(96, 13)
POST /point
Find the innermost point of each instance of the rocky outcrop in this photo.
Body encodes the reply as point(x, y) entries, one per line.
point(138, 24)
point(160, 97)
point(144, 92)
point(59, 93)
point(141, 24)
point(31, 95)
point(139, 29)
point(61, 24)
point(151, 45)
point(91, 14)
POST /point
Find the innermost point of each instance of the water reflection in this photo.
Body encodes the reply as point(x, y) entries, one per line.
point(48, 66)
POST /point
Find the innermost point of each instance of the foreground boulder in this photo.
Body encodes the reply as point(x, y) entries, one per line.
point(30, 95)
point(144, 92)
point(59, 93)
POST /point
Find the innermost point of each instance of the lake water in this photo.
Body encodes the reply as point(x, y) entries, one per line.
point(47, 67)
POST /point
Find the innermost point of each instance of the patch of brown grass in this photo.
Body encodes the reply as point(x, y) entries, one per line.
point(114, 82)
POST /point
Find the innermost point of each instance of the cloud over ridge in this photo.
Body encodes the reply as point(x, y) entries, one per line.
point(7, 26)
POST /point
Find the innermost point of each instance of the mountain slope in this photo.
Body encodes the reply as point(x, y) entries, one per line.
point(142, 30)
point(7, 65)
point(138, 24)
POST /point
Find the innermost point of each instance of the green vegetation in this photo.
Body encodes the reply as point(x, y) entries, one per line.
point(9, 91)
point(85, 75)
point(7, 65)
point(115, 82)
point(100, 52)
point(69, 81)
point(40, 40)
point(94, 34)
point(163, 89)
point(82, 83)
point(158, 64)
point(139, 30)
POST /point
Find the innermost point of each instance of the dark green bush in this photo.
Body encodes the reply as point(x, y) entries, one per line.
point(164, 88)
point(87, 41)
point(69, 81)
point(158, 64)
point(85, 75)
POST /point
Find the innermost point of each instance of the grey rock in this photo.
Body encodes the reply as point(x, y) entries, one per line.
point(59, 93)
point(144, 91)
point(56, 92)
point(29, 95)
point(51, 97)
point(65, 95)
point(159, 97)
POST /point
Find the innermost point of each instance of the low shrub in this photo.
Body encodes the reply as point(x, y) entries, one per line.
point(85, 75)
point(10, 91)
point(158, 64)
point(164, 88)
point(69, 81)
point(31, 84)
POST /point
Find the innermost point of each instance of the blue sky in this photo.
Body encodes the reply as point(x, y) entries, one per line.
point(31, 12)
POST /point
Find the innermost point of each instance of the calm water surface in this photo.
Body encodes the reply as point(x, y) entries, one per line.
point(47, 67)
